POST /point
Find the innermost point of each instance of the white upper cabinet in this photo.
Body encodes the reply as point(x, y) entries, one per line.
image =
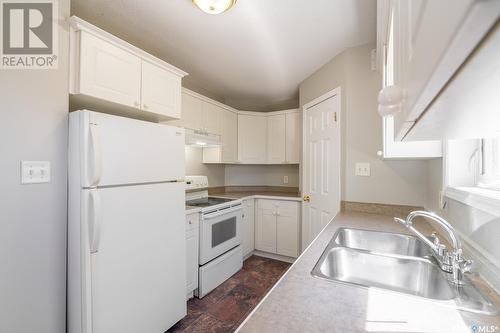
point(252, 139)
point(191, 116)
point(229, 136)
point(228, 153)
point(108, 69)
point(293, 137)
point(247, 137)
point(108, 72)
point(211, 118)
point(161, 91)
point(430, 41)
point(276, 139)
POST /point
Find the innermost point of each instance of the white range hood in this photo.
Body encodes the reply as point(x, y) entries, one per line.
point(196, 138)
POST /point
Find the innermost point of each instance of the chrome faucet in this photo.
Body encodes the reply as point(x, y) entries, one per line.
point(449, 261)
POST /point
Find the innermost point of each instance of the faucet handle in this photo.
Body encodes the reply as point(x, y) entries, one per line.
point(465, 265)
point(401, 221)
point(435, 238)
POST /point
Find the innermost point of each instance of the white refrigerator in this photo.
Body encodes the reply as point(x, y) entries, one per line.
point(126, 225)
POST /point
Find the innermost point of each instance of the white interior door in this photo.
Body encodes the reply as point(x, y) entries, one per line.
point(139, 270)
point(321, 171)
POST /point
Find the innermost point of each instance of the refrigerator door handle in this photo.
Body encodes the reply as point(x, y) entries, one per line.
point(94, 221)
point(95, 168)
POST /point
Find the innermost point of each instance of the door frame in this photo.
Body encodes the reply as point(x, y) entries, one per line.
point(334, 92)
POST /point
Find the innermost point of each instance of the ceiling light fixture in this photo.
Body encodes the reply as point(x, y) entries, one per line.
point(214, 6)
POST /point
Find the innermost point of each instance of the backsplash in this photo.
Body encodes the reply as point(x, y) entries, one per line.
point(255, 175)
point(240, 175)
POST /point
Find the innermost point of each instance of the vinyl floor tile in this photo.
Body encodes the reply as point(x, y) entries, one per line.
point(223, 309)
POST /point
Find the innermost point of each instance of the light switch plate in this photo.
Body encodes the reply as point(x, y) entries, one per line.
point(363, 169)
point(285, 179)
point(35, 172)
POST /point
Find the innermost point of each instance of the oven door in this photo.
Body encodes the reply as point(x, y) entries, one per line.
point(220, 231)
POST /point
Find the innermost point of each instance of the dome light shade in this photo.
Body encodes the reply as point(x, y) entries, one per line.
point(214, 6)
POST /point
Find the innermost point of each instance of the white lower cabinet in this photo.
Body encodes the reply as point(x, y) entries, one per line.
point(192, 246)
point(277, 227)
point(248, 226)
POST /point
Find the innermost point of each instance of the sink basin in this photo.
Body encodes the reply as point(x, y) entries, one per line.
point(416, 277)
point(395, 262)
point(382, 242)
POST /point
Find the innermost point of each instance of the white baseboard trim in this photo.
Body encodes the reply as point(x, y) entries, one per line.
point(272, 256)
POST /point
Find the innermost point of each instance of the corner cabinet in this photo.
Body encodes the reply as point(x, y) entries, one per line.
point(293, 136)
point(277, 227)
point(276, 139)
point(252, 138)
point(269, 138)
point(106, 69)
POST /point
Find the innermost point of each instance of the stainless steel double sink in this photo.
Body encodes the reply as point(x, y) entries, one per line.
point(395, 262)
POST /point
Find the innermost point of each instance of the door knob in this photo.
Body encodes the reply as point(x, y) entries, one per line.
point(307, 198)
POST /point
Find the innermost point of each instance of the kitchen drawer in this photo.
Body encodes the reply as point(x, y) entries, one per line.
point(281, 205)
point(192, 221)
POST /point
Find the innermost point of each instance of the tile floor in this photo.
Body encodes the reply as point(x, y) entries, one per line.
point(228, 305)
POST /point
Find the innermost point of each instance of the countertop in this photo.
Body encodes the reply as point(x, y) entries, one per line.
point(249, 195)
point(300, 302)
point(259, 195)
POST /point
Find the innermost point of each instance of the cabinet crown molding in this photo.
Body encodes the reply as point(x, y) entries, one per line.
point(78, 24)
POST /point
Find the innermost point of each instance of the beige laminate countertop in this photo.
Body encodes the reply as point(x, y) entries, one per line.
point(259, 194)
point(249, 195)
point(302, 303)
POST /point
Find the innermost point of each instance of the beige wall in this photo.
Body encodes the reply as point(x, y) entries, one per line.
point(33, 126)
point(270, 175)
point(241, 175)
point(195, 166)
point(392, 182)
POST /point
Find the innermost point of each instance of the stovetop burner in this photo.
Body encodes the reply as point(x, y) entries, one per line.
point(206, 202)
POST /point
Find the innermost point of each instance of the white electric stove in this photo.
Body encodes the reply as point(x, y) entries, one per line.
point(220, 234)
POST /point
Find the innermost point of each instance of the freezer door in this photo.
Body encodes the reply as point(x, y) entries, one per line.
point(138, 259)
point(116, 150)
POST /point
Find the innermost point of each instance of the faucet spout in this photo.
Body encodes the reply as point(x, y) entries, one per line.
point(457, 244)
point(449, 261)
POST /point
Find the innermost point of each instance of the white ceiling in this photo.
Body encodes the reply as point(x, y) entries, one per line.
point(254, 55)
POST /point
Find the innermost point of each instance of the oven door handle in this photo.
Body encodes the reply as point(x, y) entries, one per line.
point(221, 212)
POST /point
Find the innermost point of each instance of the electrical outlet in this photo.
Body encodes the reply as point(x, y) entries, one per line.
point(363, 169)
point(285, 179)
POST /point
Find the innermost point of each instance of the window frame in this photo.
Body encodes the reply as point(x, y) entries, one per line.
point(488, 164)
